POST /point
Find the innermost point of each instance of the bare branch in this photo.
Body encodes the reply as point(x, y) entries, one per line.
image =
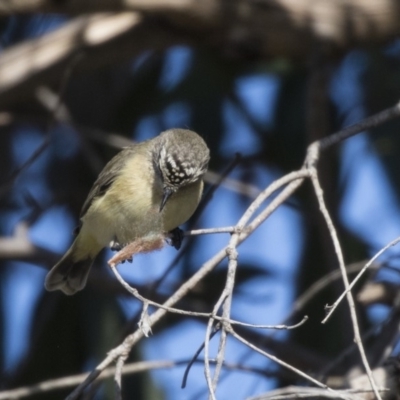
point(213, 315)
point(367, 123)
point(227, 229)
point(299, 392)
point(357, 278)
point(323, 282)
point(278, 361)
point(69, 381)
point(314, 154)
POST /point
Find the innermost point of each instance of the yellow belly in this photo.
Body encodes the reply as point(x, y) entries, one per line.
point(181, 206)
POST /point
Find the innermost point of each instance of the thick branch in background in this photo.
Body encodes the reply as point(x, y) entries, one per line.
point(104, 39)
point(267, 27)
point(20, 247)
point(240, 28)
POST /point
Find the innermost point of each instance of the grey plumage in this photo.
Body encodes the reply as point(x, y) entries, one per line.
point(181, 160)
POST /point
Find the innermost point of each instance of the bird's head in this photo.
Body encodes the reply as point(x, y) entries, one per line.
point(181, 157)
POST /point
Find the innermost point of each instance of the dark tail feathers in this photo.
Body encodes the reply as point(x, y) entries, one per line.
point(67, 275)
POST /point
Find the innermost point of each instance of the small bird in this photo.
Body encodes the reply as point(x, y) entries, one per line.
point(147, 190)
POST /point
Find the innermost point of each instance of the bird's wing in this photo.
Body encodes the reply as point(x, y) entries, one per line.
point(107, 176)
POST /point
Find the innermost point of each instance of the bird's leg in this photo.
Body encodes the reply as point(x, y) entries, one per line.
point(141, 245)
point(176, 237)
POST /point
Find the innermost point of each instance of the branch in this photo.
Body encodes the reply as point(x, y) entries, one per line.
point(266, 28)
point(357, 278)
point(278, 361)
point(312, 158)
point(131, 368)
point(368, 123)
point(213, 315)
point(69, 381)
point(20, 247)
point(262, 28)
point(102, 39)
point(298, 392)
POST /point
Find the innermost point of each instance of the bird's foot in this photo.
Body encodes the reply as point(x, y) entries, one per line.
point(142, 245)
point(175, 238)
point(116, 246)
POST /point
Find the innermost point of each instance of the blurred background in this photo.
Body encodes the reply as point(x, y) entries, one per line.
point(261, 79)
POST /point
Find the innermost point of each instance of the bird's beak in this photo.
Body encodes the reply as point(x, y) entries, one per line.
point(167, 194)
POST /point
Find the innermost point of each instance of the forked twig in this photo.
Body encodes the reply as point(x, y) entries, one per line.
point(333, 307)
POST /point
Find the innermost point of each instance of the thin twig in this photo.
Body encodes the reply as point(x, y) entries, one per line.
point(209, 331)
point(367, 123)
point(6, 186)
point(226, 298)
point(194, 358)
point(321, 284)
point(225, 229)
point(357, 278)
point(129, 369)
point(211, 315)
point(117, 378)
point(299, 392)
point(69, 381)
point(234, 185)
point(277, 360)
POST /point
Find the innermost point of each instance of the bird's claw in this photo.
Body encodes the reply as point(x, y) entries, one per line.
point(176, 237)
point(116, 246)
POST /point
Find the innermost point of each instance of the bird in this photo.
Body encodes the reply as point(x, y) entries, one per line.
point(146, 191)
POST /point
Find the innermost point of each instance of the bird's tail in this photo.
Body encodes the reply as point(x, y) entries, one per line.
point(70, 274)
